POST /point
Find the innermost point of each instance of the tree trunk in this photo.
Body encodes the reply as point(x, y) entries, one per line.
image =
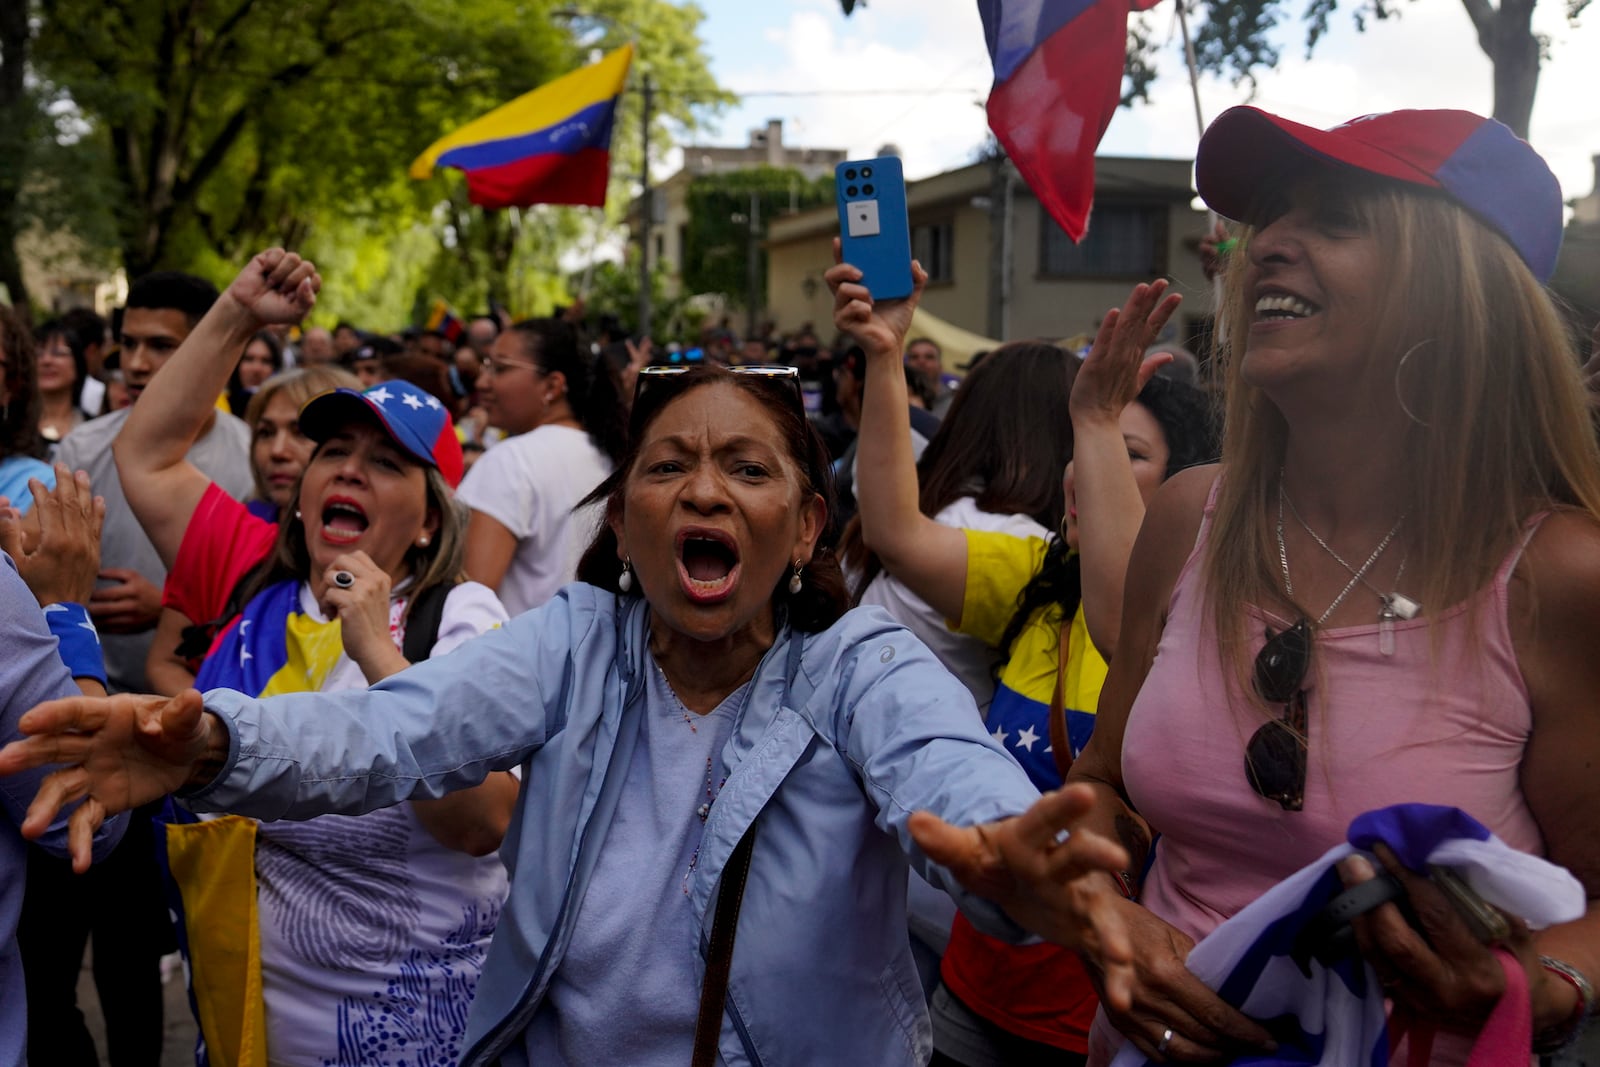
point(1514, 52)
point(17, 128)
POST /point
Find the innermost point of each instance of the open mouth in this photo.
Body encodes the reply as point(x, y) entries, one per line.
point(1283, 307)
point(708, 564)
point(343, 521)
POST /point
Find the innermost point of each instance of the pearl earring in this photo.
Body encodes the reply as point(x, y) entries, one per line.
point(297, 513)
point(625, 579)
point(422, 542)
point(795, 582)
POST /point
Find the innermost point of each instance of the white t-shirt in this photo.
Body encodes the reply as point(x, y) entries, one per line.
point(372, 933)
point(529, 484)
point(968, 658)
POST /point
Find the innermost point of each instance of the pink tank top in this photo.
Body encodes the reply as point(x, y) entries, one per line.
point(1409, 727)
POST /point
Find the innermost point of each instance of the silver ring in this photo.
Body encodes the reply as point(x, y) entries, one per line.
point(343, 579)
point(1161, 1046)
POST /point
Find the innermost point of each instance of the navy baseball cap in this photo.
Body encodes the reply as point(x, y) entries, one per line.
point(1477, 162)
point(413, 418)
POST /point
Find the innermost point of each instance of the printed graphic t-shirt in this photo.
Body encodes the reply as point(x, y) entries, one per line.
point(372, 933)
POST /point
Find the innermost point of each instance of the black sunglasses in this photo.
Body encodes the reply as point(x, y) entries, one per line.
point(778, 374)
point(1275, 758)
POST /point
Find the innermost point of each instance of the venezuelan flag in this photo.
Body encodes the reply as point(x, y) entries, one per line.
point(550, 146)
point(442, 320)
point(1057, 81)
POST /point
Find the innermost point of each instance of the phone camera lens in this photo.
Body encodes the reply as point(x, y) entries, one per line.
point(850, 175)
point(866, 190)
point(866, 172)
point(851, 191)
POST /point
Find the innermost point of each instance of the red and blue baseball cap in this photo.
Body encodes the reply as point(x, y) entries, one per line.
point(413, 418)
point(1477, 162)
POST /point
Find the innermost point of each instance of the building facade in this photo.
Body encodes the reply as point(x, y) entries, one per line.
point(999, 266)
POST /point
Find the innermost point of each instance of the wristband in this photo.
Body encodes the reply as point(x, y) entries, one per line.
point(1556, 1038)
point(79, 644)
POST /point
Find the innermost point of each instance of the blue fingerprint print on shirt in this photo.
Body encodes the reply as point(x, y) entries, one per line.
point(420, 1018)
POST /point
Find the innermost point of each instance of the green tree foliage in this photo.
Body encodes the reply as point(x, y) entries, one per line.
point(717, 243)
point(1232, 39)
point(227, 125)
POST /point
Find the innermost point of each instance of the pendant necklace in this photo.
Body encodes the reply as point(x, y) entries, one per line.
point(1395, 605)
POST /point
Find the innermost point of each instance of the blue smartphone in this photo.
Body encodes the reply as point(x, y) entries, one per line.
point(874, 232)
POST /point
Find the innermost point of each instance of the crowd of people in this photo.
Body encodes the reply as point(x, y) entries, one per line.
point(528, 693)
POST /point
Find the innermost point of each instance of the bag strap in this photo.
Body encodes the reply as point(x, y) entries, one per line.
point(422, 623)
point(719, 954)
point(1060, 742)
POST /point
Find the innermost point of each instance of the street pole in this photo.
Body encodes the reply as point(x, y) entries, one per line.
point(647, 210)
point(753, 264)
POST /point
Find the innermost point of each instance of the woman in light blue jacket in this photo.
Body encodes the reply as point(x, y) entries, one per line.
point(699, 697)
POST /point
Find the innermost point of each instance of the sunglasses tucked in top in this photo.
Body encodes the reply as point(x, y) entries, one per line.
point(1275, 758)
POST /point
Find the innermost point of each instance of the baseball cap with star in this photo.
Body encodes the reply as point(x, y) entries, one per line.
point(413, 418)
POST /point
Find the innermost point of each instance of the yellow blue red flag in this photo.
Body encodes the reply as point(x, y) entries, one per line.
point(550, 146)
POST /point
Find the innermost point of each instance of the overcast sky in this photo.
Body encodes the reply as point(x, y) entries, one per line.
point(1427, 58)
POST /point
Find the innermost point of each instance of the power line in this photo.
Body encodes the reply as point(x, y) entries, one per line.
point(743, 94)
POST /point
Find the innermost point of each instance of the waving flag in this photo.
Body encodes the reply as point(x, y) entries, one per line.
point(443, 320)
point(550, 146)
point(1057, 79)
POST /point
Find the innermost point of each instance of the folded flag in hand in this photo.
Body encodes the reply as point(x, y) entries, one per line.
point(550, 146)
point(1058, 68)
point(1327, 1010)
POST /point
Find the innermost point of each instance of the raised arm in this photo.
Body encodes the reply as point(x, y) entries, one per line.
point(931, 559)
point(161, 485)
point(1109, 504)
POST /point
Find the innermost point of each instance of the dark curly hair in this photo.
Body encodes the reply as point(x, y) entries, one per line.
point(823, 597)
point(19, 419)
point(1004, 441)
point(1184, 415)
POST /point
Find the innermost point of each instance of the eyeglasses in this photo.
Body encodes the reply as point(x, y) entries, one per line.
point(1275, 758)
point(776, 373)
point(498, 367)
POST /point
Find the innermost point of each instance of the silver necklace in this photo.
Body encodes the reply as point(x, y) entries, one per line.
point(1357, 575)
point(1396, 605)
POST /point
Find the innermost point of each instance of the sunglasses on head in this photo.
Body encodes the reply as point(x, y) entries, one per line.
point(1275, 758)
point(778, 374)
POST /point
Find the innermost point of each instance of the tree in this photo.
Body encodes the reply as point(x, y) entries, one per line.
point(230, 124)
point(717, 244)
point(1232, 39)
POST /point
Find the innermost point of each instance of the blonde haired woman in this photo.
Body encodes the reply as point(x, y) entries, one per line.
point(1406, 519)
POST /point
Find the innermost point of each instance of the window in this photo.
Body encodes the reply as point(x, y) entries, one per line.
point(1124, 240)
point(933, 244)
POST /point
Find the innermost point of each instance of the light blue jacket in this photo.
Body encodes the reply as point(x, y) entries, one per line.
point(844, 735)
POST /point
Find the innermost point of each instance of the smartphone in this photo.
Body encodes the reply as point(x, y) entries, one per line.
point(1487, 923)
point(874, 231)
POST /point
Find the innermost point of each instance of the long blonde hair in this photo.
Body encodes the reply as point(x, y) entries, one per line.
point(1488, 373)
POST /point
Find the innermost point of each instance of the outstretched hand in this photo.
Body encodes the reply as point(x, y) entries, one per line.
point(1035, 866)
point(276, 287)
point(880, 327)
point(116, 753)
point(1116, 369)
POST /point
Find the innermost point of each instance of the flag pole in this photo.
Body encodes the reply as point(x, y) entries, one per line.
point(1194, 68)
point(1200, 129)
